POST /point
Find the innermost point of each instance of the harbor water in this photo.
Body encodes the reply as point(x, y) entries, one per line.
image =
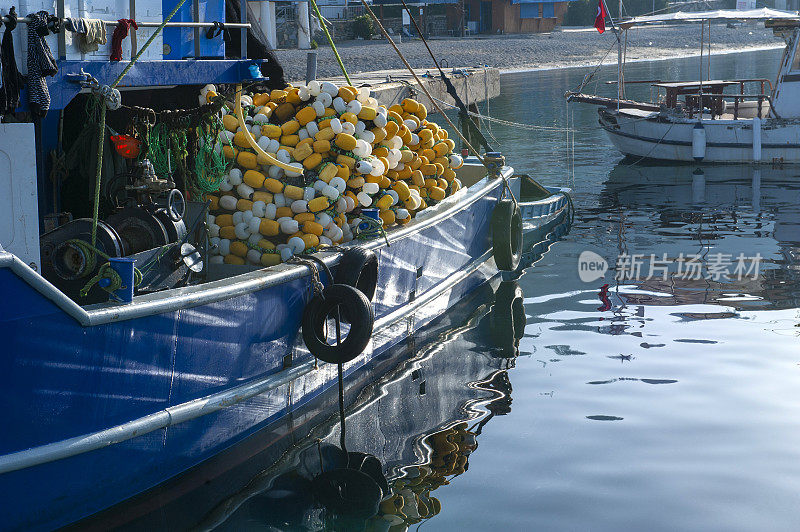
point(677, 408)
point(660, 401)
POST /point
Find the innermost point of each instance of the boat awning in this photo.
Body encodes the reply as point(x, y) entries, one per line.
point(702, 16)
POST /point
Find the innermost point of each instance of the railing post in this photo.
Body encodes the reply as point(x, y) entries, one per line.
point(196, 31)
point(243, 18)
point(62, 40)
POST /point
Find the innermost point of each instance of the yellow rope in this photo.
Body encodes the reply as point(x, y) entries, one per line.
point(330, 41)
point(252, 142)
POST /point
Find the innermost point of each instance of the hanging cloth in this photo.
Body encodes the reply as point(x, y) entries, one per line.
point(120, 32)
point(10, 79)
point(75, 25)
point(93, 36)
point(41, 63)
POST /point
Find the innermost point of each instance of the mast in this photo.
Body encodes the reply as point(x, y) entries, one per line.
point(619, 50)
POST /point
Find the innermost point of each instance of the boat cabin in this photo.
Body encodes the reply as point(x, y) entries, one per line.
point(710, 97)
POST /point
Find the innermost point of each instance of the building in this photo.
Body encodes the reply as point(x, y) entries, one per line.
point(513, 16)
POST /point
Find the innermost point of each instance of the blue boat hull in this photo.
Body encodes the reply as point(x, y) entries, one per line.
point(63, 380)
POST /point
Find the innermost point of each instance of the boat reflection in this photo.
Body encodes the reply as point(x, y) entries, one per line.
point(705, 211)
point(421, 421)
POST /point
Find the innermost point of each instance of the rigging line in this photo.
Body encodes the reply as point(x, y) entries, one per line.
point(588, 77)
point(530, 127)
point(421, 36)
point(533, 127)
point(441, 72)
point(645, 156)
point(422, 85)
point(572, 110)
point(330, 41)
point(486, 97)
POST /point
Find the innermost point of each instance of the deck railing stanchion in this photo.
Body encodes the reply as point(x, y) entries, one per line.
point(132, 15)
point(62, 38)
point(196, 18)
point(243, 18)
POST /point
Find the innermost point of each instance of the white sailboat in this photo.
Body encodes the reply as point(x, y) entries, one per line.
point(698, 120)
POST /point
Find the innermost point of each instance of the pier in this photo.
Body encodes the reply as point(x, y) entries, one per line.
point(473, 85)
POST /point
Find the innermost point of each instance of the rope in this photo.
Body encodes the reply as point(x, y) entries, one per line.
point(532, 127)
point(376, 224)
point(451, 90)
point(330, 41)
point(158, 149)
point(588, 77)
point(105, 271)
point(252, 142)
point(645, 156)
point(209, 166)
point(421, 85)
point(101, 133)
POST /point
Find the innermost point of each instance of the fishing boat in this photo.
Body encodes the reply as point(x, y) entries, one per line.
point(698, 121)
point(137, 343)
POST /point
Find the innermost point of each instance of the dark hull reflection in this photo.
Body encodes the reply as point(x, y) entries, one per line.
point(706, 210)
point(414, 420)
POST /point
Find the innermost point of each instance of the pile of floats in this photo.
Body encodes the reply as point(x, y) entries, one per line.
point(317, 165)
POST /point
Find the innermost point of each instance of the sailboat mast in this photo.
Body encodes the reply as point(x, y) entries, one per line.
point(619, 49)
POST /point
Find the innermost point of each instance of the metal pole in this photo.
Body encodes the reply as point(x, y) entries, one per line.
point(303, 26)
point(196, 18)
point(25, 20)
point(134, 42)
point(62, 40)
point(311, 66)
point(619, 50)
point(243, 18)
point(700, 103)
point(708, 73)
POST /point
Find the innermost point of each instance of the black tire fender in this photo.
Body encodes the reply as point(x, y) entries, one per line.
point(358, 267)
point(507, 235)
point(351, 302)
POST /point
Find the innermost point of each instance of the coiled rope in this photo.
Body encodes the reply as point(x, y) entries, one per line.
point(105, 271)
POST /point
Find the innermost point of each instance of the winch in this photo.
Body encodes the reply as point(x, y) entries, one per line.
point(148, 216)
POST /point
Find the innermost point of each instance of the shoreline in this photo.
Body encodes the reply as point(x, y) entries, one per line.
point(527, 52)
point(586, 64)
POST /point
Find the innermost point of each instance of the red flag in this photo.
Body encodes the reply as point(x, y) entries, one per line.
point(600, 19)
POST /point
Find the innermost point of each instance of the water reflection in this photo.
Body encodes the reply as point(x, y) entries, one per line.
point(730, 210)
point(420, 421)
